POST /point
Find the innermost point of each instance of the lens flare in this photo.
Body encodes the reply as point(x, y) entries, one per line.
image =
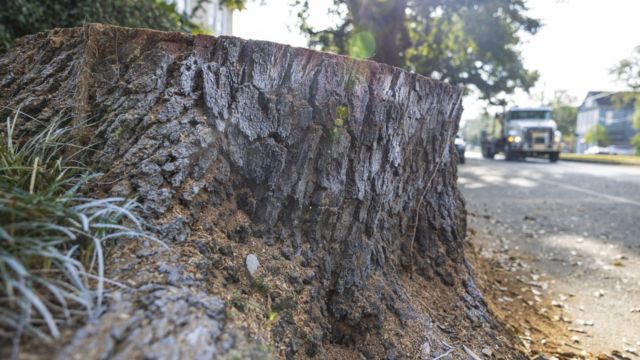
point(361, 45)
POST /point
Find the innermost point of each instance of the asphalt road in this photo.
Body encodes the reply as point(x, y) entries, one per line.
point(579, 226)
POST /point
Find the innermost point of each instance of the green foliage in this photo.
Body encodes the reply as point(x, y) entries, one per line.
point(565, 115)
point(232, 4)
point(23, 17)
point(459, 41)
point(597, 134)
point(628, 70)
point(635, 142)
point(472, 129)
point(52, 237)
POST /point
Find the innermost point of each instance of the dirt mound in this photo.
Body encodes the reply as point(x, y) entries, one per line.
point(337, 175)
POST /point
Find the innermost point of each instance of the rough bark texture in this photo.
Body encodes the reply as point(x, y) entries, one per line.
point(320, 164)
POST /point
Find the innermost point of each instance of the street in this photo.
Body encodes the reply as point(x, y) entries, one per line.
point(575, 227)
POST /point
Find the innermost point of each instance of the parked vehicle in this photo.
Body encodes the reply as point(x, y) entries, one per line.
point(461, 146)
point(597, 150)
point(524, 132)
point(621, 150)
point(610, 150)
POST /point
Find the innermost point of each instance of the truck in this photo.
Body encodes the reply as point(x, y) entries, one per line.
point(523, 132)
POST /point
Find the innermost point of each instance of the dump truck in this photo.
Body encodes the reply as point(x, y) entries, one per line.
point(523, 132)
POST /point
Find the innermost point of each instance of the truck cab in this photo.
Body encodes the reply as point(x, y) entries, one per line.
point(525, 132)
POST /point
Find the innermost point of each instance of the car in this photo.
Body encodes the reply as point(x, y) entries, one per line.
point(461, 146)
point(621, 150)
point(598, 150)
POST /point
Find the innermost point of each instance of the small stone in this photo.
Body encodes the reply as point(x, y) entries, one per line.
point(252, 264)
point(487, 352)
point(425, 351)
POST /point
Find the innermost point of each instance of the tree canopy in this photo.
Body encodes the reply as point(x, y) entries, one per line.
point(464, 42)
point(628, 70)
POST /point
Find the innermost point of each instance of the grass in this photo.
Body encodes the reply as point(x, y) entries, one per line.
point(52, 237)
point(603, 159)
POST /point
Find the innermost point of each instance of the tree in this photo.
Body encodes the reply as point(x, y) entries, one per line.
point(597, 134)
point(459, 41)
point(351, 201)
point(565, 116)
point(23, 17)
point(628, 71)
point(472, 129)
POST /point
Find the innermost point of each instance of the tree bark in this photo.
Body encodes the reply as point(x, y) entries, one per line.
point(339, 174)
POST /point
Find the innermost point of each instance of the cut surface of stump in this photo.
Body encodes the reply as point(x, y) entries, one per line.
point(338, 174)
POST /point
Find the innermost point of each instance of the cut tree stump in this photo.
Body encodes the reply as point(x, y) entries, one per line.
point(338, 174)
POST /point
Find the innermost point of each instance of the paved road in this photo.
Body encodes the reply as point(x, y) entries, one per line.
point(580, 225)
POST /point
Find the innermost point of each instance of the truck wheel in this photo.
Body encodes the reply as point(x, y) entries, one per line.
point(486, 153)
point(554, 156)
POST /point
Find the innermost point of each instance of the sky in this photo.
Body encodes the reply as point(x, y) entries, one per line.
point(581, 40)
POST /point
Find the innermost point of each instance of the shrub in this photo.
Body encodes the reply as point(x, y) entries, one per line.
point(22, 17)
point(597, 134)
point(635, 142)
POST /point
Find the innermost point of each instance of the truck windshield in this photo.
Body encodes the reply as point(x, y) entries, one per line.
point(536, 115)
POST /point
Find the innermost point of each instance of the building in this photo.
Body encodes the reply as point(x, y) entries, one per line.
point(213, 17)
point(612, 110)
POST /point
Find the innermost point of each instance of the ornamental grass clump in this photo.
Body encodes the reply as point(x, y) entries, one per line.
point(52, 236)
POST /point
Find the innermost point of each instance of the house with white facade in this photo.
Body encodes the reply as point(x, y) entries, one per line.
point(612, 110)
point(213, 17)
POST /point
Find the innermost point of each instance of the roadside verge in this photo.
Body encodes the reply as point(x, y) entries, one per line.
point(602, 159)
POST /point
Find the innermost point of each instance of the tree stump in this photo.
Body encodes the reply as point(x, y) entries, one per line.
point(338, 174)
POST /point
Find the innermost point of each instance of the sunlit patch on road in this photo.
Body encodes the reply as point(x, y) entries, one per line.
point(575, 226)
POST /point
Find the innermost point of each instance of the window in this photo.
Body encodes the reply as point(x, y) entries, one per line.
point(608, 116)
point(529, 115)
